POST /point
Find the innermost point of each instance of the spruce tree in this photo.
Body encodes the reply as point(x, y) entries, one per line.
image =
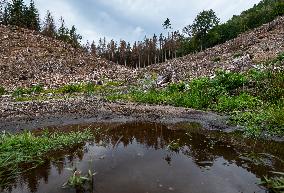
point(49, 27)
point(32, 17)
point(63, 31)
point(74, 37)
point(17, 13)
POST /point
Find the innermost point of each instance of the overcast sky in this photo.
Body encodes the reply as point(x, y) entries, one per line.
point(133, 19)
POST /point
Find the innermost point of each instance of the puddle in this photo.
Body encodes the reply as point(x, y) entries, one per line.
point(152, 158)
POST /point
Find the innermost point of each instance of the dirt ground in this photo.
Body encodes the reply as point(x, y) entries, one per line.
point(18, 116)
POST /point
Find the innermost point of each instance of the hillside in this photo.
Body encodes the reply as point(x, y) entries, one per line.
point(240, 54)
point(27, 57)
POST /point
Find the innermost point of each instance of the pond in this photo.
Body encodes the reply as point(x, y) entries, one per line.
point(154, 158)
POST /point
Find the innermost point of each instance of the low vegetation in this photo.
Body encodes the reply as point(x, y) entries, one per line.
point(2, 90)
point(254, 99)
point(80, 182)
point(275, 184)
point(27, 150)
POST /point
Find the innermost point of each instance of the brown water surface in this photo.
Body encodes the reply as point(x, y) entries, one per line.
point(152, 158)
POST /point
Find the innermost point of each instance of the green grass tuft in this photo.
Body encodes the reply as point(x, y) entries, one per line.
point(28, 149)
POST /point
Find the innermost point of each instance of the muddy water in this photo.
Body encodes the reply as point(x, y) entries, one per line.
point(151, 158)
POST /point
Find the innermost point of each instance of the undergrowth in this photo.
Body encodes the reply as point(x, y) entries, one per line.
point(275, 184)
point(2, 90)
point(254, 100)
point(29, 150)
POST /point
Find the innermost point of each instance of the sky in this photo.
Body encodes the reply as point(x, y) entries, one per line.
point(131, 20)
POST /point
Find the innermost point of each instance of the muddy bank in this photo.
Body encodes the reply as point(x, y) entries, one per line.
point(16, 116)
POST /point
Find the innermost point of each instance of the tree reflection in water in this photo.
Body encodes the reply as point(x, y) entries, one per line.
point(203, 147)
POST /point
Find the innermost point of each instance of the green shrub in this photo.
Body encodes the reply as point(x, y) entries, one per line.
point(179, 87)
point(19, 92)
point(89, 88)
point(236, 103)
point(2, 90)
point(230, 80)
point(36, 89)
point(280, 57)
point(71, 88)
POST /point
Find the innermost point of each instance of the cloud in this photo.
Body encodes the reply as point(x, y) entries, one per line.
point(133, 19)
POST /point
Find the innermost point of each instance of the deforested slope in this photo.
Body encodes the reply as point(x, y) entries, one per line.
point(247, 51)
point(27, 57)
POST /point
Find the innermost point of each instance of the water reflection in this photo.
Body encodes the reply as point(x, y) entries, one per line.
point(137, 158)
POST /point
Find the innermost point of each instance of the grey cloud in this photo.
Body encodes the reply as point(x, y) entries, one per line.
point(133, 19)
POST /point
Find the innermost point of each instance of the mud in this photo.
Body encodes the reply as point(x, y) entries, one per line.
point(17, 116)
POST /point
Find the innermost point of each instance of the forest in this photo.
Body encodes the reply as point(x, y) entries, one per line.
point(206, 31)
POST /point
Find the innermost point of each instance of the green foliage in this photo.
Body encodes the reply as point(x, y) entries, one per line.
point(203, 22)
point(68, 36)
point(174, 145)
point(49, 27)
point(179, 87)
point(275, 184)
point(29, 149)
point(72, 88)
point(280, 57)
point(32, 17)
point(78, 181)
point(241, 102)
point(254, 100)
point(18, 14)
point(205, 36)
point(36, 89)
point(269, 119)
point(230, 80)
point(2, 90)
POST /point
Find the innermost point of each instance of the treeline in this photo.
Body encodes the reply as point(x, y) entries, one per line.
point(205, 31)
point(141, 53)
point(17, 13)
point(210, 35)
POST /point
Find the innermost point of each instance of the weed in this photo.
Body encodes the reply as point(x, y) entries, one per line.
point(280, 57)
point(36, 89)
point(174, 145)
point(26, 148)
point(78, 181)
point(275, 184)
point(71, 88)
point(241, 102)
point(2, 90)
point(254, 100)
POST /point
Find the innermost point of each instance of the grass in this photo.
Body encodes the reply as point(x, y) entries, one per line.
point(254, 100)
point(38, 93)
point(275, 184)
point(36, 89)
point(78, 181)
point(30, 150)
